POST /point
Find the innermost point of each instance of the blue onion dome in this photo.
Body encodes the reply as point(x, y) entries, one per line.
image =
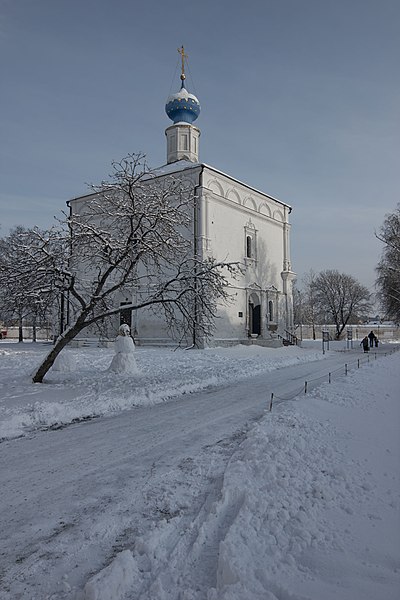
point(182, 107)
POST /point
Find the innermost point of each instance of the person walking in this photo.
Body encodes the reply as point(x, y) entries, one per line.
point(371, 336)
point(365, 344)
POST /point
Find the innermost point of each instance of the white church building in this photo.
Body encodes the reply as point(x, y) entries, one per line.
point(233, 223)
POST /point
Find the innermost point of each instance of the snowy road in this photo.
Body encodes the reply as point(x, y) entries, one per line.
point(76, 496)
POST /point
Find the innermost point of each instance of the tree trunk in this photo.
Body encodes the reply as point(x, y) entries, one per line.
point(20, 331)
point(62, 341)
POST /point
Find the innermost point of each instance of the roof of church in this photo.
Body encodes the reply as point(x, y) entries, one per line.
point(182, 165)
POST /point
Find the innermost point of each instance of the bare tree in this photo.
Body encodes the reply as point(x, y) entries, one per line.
point(22, 293)
point(341, 297)
point(388, 269)
point(309, 303)
point(133, 233)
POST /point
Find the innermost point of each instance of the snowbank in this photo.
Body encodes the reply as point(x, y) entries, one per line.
point(81, 386)
point(114, 581)
point(315, 495)
point(308, 508)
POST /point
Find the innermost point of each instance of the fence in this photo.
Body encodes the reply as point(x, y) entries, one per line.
point(382, 332)
point(340, 371)
point(12, 333)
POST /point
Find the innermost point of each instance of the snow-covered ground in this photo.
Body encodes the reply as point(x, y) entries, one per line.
point(182, 485)
point(81, 386)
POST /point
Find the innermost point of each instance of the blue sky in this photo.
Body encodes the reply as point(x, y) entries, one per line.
point(300, 99)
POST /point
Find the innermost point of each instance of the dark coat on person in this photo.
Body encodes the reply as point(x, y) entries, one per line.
point(365, 344)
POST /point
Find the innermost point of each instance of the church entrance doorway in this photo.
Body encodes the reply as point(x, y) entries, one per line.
point(254, 315)
point(125, 316)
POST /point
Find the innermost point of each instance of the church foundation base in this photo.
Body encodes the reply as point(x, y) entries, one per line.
point(226, 343)
point(168, 343)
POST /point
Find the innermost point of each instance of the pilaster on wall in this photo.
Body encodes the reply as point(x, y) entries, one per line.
point(286, 247)
point(203, 240)
point(287, 277)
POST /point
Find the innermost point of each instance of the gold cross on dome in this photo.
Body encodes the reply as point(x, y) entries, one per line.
point(181, 51)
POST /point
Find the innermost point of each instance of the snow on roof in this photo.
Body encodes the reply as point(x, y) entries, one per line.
point(181, 165)
point(183, 94)
point(175, 167)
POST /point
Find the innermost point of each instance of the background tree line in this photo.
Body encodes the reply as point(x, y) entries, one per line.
point(25, 298)
point(330, 297)
point(388, 269)
point(337, 298)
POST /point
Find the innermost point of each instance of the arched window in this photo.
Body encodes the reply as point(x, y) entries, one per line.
point(248, 246)
point(250, 243)
point(271, 310)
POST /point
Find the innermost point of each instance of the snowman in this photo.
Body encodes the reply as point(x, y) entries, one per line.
point(124, 360)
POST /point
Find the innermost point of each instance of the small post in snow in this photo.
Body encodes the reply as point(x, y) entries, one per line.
point(270, 402)
point(325, 340)
point(345, 369)
point(329, 374)
point(305, 387)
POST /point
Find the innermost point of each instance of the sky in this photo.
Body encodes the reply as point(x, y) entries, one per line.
point(300, 99)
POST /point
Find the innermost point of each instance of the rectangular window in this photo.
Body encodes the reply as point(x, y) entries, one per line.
point(171, 143)
point(184, 142)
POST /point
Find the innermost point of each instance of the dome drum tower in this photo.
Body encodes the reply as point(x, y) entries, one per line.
point(182, 143)
point(182, 137)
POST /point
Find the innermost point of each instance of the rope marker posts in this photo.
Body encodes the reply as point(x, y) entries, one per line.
point(305, 387)
point(345, 369)
point(329, 377)
point(270, 402)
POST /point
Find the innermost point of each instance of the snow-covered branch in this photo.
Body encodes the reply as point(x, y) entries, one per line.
point(133, 233)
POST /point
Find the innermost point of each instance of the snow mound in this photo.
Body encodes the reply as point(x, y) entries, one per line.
point(114, 581)
point(65, 362)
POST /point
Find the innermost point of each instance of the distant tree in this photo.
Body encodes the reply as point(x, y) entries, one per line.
point(297, 306)
point(134, 233)
point(310, 312)
point(340, 297)
point(388, 269)
point(25, 293)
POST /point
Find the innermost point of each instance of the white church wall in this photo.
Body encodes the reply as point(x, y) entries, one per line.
point(229, 222)
point(232, 213)
point(234, 223)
